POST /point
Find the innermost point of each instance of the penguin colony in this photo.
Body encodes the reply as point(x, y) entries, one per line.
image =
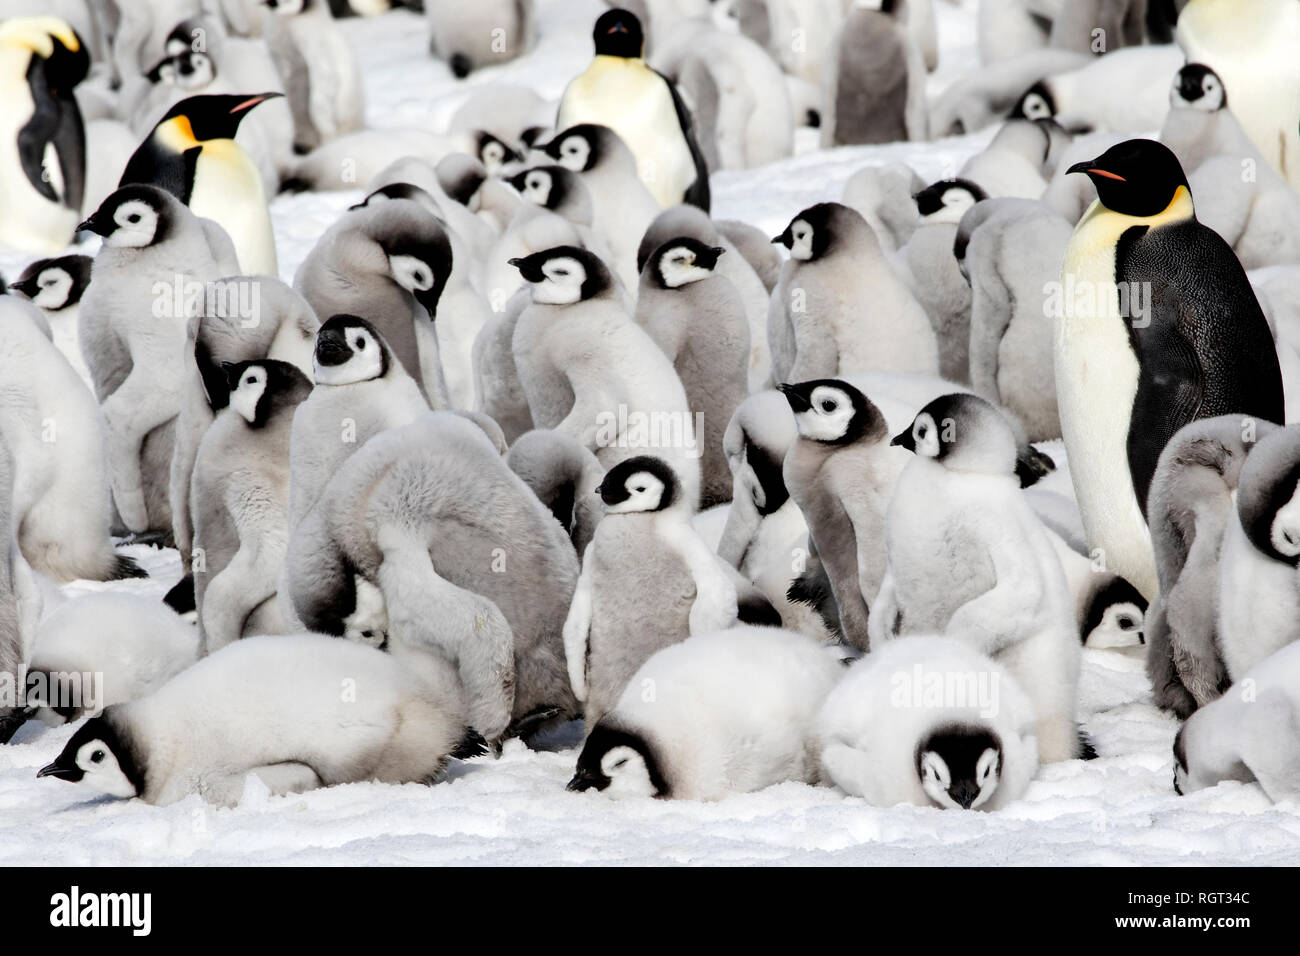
point(530, 438)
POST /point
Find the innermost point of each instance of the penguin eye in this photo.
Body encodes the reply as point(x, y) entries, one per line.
point(639, 488)
point(1125, 622)
point(828, 406)
point(97, 757)
point(250, 380)
point(133, 218)
point(620, 763)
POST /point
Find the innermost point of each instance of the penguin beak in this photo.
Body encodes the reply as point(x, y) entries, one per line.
point(63, 768)
point(585, 780)
point(798, 401)
point(904, 440)
point(27, 287)
point(617, 28)
point(785, 239)
point(526, 269)
point(93, 224)
point(964, 793)
point(252, 101)
point(1091, 170)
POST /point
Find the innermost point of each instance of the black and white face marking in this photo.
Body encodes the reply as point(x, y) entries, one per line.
point(1115, 617)
point(128, 219)
point(924, 437)
point(494, 154)
point(959, 767)
point(535, 185)
point(964, 432)
point(246, 393)
point(412, 274)
point(348, 350)
point(1198, 87)
point(811, 234)
point(947, 200)
point(1269, 508)
point(563, 275)
point(572, 151)
point(1284, 532)
point(91, 757)
point(682, 261)
point(1036, 104)
point(832, 412)
point(643, 483)
point(53, 287)
point(801, 240)
point(618, 763)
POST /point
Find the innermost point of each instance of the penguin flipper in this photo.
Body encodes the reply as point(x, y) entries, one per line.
point(698, 193)
point(1165, 401)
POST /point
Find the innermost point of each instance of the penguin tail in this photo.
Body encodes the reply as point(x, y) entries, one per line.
point(1033, 465)
point(181, 597)
point(124, 567)
point(813, 588)
point(461, 66)
point(471, 745)
point(1086, 749)
point(756, 609)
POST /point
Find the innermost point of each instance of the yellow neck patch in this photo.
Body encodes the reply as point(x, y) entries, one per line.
point(177, 133)
point(36, 33)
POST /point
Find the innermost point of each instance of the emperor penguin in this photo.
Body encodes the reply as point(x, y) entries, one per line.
point(699, 737)
point(1250, 46)
point(875, 89)
point(564, 475)
point(390, 263)
point(1010, 252)
point(132, 329)
point(984, 97)
point(885, 736)
point(589, 371)
point(239, 499)
point(192, 154)
point(841, 472)
point(134, 643)
point(1157, 326)
point(203, 731)
point(42, 136)
point(648, 580)
point(969, 558)
point(61, 507)
point(1248, 735)
point(1191, 508)
point(322, 75)
point(1259, 565)
point(470, 37)
point(621, 91)
point(472, 567)
point(816, 326)
point(882, 195)
point(56, 287)
point(1016, 160)
point(931, 270)
point(697, 319)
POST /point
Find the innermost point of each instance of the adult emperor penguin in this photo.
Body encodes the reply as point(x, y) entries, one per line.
point(193, 155)
point(697, 319)
point(1248, 734)
point(699, 737)
point(886, 735)
point(648, 580)
point(56, 286)
point(204, 731)
point(1157, 326)
point(969, 558)
point(42, 138)
point(621, 91)
point(239, 500)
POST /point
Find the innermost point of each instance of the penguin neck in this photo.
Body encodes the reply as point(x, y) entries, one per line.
point(1180, 209)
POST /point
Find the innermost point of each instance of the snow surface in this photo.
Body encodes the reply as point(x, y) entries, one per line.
point(1118, 809)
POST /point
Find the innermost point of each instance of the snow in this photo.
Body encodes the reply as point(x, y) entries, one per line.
point(1118, 809)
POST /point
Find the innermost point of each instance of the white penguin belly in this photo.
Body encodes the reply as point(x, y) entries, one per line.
point(228, 190)
point(1096, 383)
point(28, 221)
point(620, 95)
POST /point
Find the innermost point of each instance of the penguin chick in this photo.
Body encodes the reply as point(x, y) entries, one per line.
point(882, 196)
point(619, 90)
point(969, 558)
point(56, 287)
point(816, 327)
point(192, 154)
point(61, 508)
point(876, 86)
point(193, 735)
point(1186, 341)
point(648, 580)
point(1248, 734)
point(564, 475)
point(932, 722)
point(699, 737)
point(589, 371)
point(1123, 91)
point(697, 319)
point(240, 502)
point(470, 37)
point(132, 645)
point(471, 566)
point(1259, 580)
point(840, 472)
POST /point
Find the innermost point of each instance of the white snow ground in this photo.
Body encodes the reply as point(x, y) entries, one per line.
point(1118, 809)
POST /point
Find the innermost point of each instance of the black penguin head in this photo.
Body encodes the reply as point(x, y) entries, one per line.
point(419, 260)
point(959, 766)
point(134, 217)
point(547, 186)
point(948, 199)
point(494, 153)
point(683, 260)
point(398, 191)
point(99, 756)
point(563, 275)
point(1198, 87)
point(1036, 103)
point(59, 58)
point(198, 119)
point(263, 387)
point(348, 350)
point(1138, 177)
point(619, 762)
point(1115, 615)
point(55, 284)
point(832, 412)
point(1268, 495)
point(640, 484)
point(962, 432)
point(811, 234)
point(618, 33)
point(188, 70)
point(580, 147)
